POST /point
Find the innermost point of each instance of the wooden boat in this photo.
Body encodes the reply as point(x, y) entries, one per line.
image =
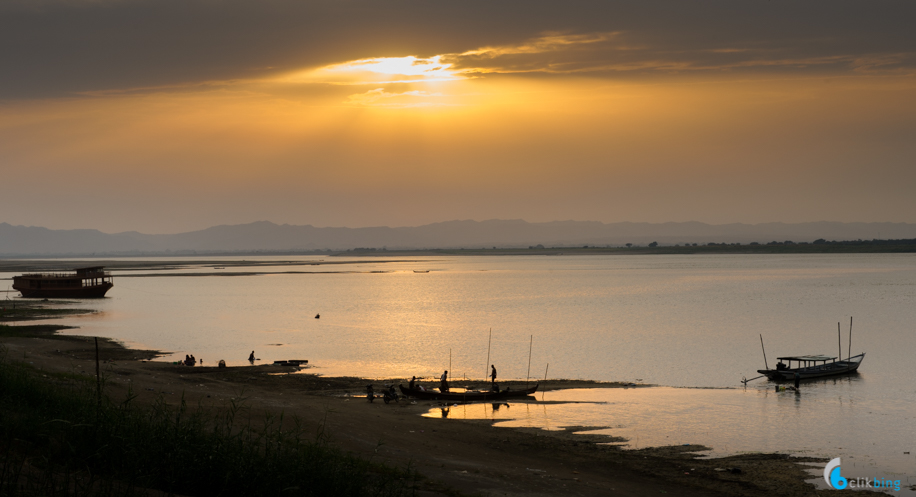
point(292, 362)
point(469, 396)
point(85, 283)
point(808, 367)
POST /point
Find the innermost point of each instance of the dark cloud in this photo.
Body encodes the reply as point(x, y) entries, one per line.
point(53, 48)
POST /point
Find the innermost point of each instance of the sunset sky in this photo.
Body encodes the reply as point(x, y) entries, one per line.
point(173, 115)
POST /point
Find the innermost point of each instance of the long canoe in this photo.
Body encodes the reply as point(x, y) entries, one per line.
point(469, 396)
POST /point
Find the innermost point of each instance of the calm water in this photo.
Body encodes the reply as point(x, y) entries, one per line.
point(676, 321)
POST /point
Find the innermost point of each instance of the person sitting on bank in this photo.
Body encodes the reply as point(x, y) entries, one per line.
point(443, 385)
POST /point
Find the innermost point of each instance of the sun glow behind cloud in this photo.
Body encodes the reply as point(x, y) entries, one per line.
point(387, 70)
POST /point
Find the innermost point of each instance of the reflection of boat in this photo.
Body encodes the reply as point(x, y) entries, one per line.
point(808, 367)
point(469, 396)
point(85, 283)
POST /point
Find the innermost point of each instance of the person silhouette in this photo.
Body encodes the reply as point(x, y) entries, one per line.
point(251, 357)
point(443, 385)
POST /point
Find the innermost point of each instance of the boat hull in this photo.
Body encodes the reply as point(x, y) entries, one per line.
point(86, 292)
point(829, 369)
point(468, 396)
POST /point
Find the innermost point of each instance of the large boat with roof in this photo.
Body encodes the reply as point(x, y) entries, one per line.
point(84, 283)
point(812, 366)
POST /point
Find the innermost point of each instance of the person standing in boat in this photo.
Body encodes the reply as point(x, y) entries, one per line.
point(492, 374)
point(412, 383)
point(443, 386)
point(251, 357)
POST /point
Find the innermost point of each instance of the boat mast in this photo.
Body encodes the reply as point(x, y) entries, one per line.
point(849, 353)
point(528, 376)
point(764, 352)
point(486, 366)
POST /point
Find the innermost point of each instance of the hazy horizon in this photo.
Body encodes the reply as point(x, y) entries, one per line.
point(174, 116)
point(448, 221)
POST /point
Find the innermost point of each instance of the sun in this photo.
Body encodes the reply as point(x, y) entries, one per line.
point(409, 69)
point(431, 67)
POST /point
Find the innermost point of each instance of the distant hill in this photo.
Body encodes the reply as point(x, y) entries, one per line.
point(270, 237)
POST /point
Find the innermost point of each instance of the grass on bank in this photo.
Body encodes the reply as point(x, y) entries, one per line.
point(58, 436)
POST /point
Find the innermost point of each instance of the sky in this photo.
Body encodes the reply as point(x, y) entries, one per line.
point(164, 116)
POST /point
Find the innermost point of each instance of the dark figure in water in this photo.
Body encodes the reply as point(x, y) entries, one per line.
point(370, 393)
point(251, 357)
point(443, 384)
point(492, 374)
point(413, 382)
point(317, 316)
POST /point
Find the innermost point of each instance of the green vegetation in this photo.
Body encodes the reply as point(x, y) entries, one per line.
point(34, 331)
point(27, 310)
point(63, 436)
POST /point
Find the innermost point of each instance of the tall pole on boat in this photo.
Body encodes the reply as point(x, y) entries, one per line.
point(487, 365)
point(528, 376)
point(839, 341)
point(449, 358)
point(764, 352)
point(849, 353)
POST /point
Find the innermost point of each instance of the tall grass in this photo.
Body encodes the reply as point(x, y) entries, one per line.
point(58, 438)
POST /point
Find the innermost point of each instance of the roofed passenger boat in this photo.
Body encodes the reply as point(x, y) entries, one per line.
point(84, 283)
point(812, 366)
point(468, 396)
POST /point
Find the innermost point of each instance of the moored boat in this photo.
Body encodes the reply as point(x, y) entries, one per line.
point(84, 283)
point(468, 396)
point(812, 366)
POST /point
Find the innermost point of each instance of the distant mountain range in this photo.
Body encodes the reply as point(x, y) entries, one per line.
point(265, 236)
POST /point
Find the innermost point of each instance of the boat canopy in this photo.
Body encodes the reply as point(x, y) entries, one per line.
point(806, 358)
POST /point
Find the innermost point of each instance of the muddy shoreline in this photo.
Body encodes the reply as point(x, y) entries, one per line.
point(457, 457)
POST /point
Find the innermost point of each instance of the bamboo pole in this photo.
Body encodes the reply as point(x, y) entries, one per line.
point(98, 379)
point(849, 353)
point(528, 375)
point(764, 352)
point(545, 372)
point(839, 341)
point(486, 367)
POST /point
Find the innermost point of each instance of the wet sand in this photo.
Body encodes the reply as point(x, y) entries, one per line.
point(467, 457)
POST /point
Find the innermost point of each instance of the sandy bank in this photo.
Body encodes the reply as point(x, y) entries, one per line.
point(456, 456)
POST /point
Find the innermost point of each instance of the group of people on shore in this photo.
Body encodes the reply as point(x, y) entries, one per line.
point(189, 360)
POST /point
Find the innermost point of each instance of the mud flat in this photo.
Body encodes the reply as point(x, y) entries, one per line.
point(455, 457)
